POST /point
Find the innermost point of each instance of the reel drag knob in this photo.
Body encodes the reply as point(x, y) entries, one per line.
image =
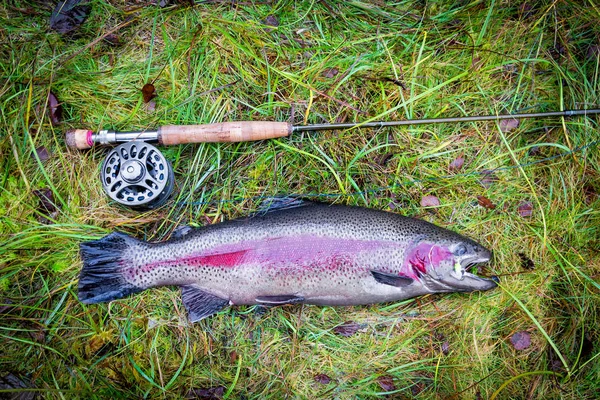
point(137, 175)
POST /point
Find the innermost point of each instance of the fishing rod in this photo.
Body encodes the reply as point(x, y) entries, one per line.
point(243, 131)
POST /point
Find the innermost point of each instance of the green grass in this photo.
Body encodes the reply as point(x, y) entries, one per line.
point(219, 62)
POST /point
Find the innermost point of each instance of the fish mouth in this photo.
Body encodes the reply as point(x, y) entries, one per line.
point(468, 280)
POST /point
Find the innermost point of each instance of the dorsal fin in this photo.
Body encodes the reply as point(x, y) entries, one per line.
point(272, 204)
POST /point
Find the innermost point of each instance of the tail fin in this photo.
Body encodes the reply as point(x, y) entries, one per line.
point(101, 278)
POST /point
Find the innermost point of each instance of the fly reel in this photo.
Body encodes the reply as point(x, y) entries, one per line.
point(137, 175)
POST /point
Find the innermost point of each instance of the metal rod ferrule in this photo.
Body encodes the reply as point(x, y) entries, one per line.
point(383, 124)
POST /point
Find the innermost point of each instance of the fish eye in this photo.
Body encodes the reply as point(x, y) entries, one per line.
point(460, 250)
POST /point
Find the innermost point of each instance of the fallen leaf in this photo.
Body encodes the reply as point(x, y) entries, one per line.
point(593, 51)
point(534, 151)
point(46, 205)
point(271, 20)
point(590, 194)
point(521, 340)
point(445, 348)
point(54, 109)
point(38, 334)
point(16, 385)
point(384, 158)
point(42, 153)
point(330, 72)
point(456, 164)
point(112, 40)
point(233, 357)
point(525, 209)
point(488, 177)
point(485, 202)
point(322, 379)
point(526, 262)
point(68, 15)
point(417, 388)
point(212, 393)
point(507, 125)
point(148, 92)
point(430, 201)
point(347, 329)
point(151, 106)
point(387, 383)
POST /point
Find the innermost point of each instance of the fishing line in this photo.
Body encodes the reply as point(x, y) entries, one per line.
point(317, 195)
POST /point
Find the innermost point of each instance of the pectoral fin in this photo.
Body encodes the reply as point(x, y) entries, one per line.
point(391, 279)
point(200, 304)
point(279, 300)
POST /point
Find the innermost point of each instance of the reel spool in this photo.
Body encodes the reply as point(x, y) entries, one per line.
point(137, 175)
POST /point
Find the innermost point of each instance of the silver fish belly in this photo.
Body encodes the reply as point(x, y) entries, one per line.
point(313, 253)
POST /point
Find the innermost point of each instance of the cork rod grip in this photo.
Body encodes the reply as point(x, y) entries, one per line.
point(223, 132)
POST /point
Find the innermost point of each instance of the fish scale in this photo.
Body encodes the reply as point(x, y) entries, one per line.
point(311, 253)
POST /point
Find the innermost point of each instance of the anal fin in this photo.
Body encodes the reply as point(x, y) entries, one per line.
point(279, 300)
point(391, 279)
point(200, 304)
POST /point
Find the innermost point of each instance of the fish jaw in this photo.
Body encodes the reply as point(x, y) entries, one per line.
point(452, 275)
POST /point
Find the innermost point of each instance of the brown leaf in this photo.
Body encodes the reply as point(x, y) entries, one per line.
point(38, 334)
point(322, 379)
point(233, 356)
point(42, 153)
point(148, 92)
point(17, 386)
point(430, 201)
point(347, 329)
point(46, 205)
point(521, 340)
point(271, 20)
point(330, 72)
point(590, 194)
point(54, 109)
point(445, 348)
point(485, 202)
point(384, 158)
point(68, 15)
point(387, 383)
point(112, 40)
point(507, 125)
point(211, 393)
point(526, 262)
point(488, 177)
point(525, 209)
point(593, 51)
point(456, 164)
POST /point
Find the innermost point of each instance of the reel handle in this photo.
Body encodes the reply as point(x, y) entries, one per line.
point(241, 131)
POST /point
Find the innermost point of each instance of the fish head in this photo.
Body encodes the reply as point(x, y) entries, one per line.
point(443, 265)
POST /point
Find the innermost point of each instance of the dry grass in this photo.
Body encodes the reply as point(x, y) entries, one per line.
point(218, 61)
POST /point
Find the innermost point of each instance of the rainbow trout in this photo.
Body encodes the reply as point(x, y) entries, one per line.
point(300, 252)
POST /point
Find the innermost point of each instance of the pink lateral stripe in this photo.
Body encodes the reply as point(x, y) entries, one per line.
point(299, 250)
